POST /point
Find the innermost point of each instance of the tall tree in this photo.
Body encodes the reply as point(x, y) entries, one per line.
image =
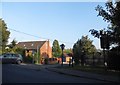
point(112, 16)
point(87, 45)
point(4, 33)
point(82, 48)
point(77, 51)
point(56, 49)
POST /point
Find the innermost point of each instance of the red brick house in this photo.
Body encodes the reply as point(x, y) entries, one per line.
point(41, 47)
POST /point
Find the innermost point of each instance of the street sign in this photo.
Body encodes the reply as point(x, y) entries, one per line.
point(104, 41)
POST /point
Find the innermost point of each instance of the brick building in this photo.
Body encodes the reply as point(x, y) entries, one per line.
point(41, 48)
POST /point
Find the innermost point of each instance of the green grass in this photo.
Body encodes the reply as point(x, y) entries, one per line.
point(98, 70)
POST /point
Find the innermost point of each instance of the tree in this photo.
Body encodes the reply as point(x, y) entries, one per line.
point(56, 49)
point(77, 52)
point(87, 45)
point(4, 35)
point(13, 43)
point(82, 48)
point(12, 47)
point(112, 16)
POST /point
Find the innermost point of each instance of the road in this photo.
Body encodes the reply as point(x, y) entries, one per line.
point(12, 73)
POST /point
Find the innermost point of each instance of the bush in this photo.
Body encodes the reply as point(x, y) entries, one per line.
point(27, 59)
point(46, 61)
point(113, 60)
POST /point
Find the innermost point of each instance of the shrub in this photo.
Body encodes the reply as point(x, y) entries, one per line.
point(114, 60)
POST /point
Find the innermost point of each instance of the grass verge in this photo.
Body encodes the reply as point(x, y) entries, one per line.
point(94, 69)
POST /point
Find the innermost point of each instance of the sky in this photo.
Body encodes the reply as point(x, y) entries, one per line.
point(64, 21)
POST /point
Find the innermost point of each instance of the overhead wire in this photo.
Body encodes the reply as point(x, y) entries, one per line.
point(38, 36)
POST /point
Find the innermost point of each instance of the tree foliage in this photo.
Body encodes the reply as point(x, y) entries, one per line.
point(13, 44)
point(82, 48)
point(112, 16)
point(56, 49)
point(67, 51)
point(11, 47)
point(4, 35)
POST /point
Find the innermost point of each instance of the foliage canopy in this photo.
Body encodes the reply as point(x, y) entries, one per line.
point(4, 35)
point(82, 48)
point(56, 49)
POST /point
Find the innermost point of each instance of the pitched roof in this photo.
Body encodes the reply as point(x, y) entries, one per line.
point(30, 44)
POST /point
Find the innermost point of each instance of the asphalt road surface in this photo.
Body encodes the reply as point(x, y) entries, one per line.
point(12, 73)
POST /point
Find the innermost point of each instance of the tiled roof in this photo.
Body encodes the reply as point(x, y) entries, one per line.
point(31, 44)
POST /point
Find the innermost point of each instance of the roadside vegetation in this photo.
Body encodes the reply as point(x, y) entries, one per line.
point(110, 36)
point(83, 49)
point(93, 69)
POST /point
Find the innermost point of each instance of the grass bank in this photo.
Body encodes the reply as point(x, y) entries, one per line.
point(94, 69)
